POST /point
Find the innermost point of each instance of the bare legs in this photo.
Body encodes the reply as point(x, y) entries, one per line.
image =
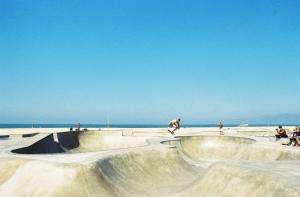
point(172, 132)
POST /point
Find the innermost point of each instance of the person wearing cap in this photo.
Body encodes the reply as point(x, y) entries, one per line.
point(174, 124)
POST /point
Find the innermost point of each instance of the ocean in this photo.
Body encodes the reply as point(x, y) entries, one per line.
point(120, 125)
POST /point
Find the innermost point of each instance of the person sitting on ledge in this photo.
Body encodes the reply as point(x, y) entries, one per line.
point(294, 139)
point(281, 133)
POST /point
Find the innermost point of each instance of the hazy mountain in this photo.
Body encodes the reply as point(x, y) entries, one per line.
point(276, 119)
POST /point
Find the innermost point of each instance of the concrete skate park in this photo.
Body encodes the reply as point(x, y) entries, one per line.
point(147, 162)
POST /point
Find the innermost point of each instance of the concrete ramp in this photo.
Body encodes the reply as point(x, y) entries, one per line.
point(152, 172)
point(37, 178)
point(232, 148)
point(149, 172)
point(146, 172)
point(107, 163)
point(92, 141)
point(81, 142)
point(46, 145)
point(235, 179)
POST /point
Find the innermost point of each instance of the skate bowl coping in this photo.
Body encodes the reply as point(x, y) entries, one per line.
point(232, 148)
point(80, 142)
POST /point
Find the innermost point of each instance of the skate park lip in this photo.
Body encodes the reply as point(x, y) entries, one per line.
point(214, 148)
point(73, 142)
point(196, 147)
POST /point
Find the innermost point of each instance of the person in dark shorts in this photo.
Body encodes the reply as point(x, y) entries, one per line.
point(281, 133)
point(174, 124)
point(221, 126)
point(294, 137)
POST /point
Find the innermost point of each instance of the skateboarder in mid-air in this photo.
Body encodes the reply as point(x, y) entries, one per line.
point(174, 124)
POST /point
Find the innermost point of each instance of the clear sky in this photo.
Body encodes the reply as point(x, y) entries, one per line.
point(148, 61)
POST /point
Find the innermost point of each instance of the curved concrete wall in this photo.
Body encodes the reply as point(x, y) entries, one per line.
point(80, 142)
point(231, 148)
point(48, 145)
point(43, 146)
point(155, 170)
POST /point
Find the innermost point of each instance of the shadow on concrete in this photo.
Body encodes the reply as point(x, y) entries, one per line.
point(4, 137)
point(29, 134)
point(65, 141)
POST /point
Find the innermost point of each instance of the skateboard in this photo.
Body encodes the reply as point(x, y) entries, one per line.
point(172, 132)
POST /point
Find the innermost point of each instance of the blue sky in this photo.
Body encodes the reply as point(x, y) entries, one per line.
point(148, 61)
